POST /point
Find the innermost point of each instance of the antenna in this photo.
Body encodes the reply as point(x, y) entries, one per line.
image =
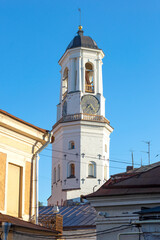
point(132, 158)
point(79, 9)
point(148, 143)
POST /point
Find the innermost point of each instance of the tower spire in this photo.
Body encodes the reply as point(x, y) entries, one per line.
point(80, 26)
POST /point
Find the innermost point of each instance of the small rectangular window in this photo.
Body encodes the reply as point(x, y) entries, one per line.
point(105, 147)
point(105, 172)
point(54, 175)
point(58, 175)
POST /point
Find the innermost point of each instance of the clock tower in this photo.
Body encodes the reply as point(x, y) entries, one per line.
point(80, 156)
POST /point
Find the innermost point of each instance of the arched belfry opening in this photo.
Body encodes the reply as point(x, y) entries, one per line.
point(65, 83)
point(89, 80)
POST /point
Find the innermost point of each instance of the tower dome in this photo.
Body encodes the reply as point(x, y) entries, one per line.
point(82, 41)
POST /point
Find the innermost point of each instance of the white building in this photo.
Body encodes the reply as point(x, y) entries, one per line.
point(80, 161)
point(119, 200)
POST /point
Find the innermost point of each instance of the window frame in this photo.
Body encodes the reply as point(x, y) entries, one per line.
point(92, 165)
point(71, 145)
point(71, 170)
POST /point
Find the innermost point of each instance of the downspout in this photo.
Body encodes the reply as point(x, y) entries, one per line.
point(128, 233)
point(5, 228)
point(36, 157)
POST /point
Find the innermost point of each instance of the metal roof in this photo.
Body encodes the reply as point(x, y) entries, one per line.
point(21, 223)
point(73, 216)
point(149, 210)
point(82, 41)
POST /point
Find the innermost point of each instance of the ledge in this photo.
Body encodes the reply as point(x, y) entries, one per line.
point(82, 117)
point(71, 177)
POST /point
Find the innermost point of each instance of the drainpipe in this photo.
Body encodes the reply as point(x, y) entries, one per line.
point(128, 233)
point(5, 229)
point(36, 157)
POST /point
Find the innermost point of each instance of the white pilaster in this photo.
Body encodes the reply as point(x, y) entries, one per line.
point(72, 75)
point(100, 77)
point(60, 99)
point(78, 74)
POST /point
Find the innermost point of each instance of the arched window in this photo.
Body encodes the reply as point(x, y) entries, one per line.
point(71, 145)
point(71, 170)
point(65, 83)
point(92, 169)
point(89, 84)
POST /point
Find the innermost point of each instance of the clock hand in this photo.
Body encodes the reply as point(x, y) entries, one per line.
point(93, 108)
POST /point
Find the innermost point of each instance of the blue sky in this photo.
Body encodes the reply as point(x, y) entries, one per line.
point(33, 36)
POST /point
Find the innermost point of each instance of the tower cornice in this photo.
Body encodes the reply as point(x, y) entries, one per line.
point(74, 50)
point(88, 118)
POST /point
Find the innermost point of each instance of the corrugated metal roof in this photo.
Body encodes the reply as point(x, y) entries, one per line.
point(79, 216)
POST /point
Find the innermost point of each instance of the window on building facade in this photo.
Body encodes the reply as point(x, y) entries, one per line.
point(105, 172)
point(92, 169)
point(105, 147)
point(71, 170)
point(14, 191)
point(65, 83)
point(54, 175)
point(71, 145)
point(89, 83)
point(58, 175)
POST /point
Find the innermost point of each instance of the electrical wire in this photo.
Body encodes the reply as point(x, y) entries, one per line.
point(78, 162)
point(93, 157)
point(94, 234)
point(99, 232)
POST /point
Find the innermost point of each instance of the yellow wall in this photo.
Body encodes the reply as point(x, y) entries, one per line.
point(15, 144)
point(14, 191)
point(18, 142)
point(3, 157)
point(27, 187)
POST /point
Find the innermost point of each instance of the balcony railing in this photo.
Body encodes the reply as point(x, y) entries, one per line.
point(83, 117)
point(89, 88)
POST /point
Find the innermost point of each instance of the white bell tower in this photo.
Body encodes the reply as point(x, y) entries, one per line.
point(80, 160)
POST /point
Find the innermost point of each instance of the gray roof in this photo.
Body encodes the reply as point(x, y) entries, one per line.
point(149, 210)
point(73, 216)
point(82, 41)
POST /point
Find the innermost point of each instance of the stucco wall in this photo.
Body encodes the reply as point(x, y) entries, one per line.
point(3, 157)
point(89, 138)
point(27, 186)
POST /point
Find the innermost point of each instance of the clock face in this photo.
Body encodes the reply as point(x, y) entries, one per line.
point(90, 104)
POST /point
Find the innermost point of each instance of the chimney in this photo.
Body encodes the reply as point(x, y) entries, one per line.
point(129, 168)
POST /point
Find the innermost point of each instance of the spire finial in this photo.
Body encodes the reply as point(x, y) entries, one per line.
point(80, 26)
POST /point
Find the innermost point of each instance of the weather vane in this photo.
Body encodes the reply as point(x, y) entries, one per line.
point(80, 26)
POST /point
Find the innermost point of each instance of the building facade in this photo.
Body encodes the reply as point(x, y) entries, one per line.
point(80, 161)
point(119, 201)
point(19, 142)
